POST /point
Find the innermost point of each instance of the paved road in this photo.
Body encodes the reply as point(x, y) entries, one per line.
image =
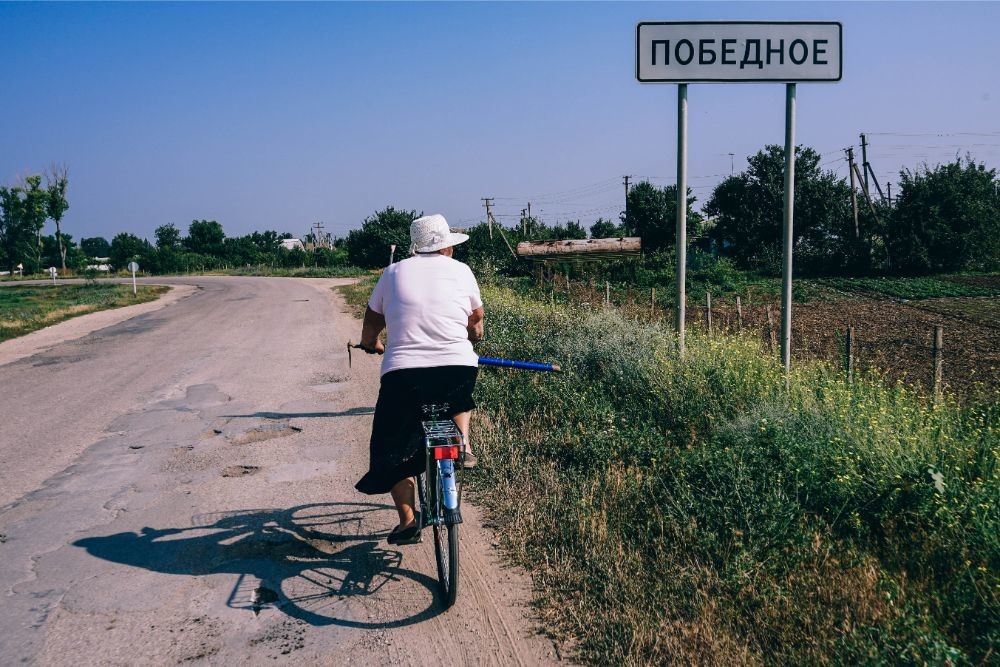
point(179, 487)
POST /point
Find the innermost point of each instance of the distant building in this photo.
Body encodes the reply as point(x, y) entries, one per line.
point(103, 264)
point(292, 244)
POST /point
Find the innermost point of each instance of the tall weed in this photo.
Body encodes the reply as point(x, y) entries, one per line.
point(697, 511)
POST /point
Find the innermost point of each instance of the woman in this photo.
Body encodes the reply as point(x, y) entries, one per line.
point(432, 310)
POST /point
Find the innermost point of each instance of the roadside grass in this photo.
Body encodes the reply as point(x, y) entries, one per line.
point(27, 308)
point(697, 512)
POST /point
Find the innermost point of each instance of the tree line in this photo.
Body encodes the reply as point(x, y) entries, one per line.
point(944, 218)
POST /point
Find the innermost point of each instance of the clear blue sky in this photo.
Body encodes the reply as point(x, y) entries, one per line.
point(275, 116)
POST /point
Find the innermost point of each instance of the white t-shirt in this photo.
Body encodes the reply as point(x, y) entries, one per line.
point(426, 301)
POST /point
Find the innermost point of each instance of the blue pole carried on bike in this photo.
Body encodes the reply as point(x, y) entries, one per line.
point(525, 365)
point(484, 361)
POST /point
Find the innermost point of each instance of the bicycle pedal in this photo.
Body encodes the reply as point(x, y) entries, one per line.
point(452, 517)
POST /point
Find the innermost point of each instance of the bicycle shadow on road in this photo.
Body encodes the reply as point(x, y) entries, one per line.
point(350, 412)
point(318, 563)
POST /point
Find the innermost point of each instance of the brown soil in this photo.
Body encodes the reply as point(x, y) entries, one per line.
point(890, 336)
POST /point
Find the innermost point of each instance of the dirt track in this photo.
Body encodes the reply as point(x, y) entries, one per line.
point(179, 487)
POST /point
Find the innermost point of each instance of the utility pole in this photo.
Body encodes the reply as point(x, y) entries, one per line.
point(524, 223)
point(488, 203)
point(864, 159)
point(529, 209)
point(732, 164)
point(318, 236)
point(888, 192)
point(626, 179)
point(854, 194)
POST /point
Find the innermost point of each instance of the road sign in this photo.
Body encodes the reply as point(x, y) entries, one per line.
point(738, 51)
point(52, 272)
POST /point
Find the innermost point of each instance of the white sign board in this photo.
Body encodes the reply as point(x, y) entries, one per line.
point(133, 267)
point(738, 51)
point(53, 271)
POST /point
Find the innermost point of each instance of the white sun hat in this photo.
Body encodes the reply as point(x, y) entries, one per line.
point(431, 233)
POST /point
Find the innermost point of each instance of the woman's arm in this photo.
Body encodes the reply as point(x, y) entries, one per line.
point(373, 325)
point(475, 325)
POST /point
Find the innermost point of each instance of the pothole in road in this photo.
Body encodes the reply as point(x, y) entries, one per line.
point(263, 432)
point(240, 471)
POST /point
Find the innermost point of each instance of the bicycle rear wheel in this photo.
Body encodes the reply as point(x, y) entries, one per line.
point(446, 554)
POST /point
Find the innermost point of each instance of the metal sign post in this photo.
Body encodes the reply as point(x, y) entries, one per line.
point(53, 271)
point(682, 152)
point(787, 240)
point(738, 52)
point(133, 267)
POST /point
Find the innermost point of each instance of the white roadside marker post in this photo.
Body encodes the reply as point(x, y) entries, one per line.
point(133, 267)
point(53, 271)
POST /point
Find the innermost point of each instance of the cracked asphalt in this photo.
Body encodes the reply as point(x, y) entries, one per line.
point(178, 487)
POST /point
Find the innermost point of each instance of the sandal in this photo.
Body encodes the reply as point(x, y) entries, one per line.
point(408, 535)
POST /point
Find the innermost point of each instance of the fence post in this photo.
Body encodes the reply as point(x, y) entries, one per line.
point(938, 361)
point(770, 328)
point(708, 301)
point(739, 312)
point(652, 302)
point(607, 293)
point(849, 354)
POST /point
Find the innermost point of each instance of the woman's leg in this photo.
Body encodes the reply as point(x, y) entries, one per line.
point(462, 420)
point(404, 495)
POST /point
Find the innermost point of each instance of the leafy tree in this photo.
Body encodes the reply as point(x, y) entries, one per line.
point(747, 210)
point(23, 209)
point(651, 213)
point(206, 237)
point(96, 246)
point(368, 247)
point(53, 252)
point(13, 231)
point(946, 219)
point(168, 237)
point(605, 229)
point(57, 204)
point(127, 248)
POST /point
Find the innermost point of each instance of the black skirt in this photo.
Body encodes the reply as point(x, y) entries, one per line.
point(396, 449)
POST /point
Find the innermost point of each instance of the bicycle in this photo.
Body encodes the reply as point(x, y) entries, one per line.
point(439, 493)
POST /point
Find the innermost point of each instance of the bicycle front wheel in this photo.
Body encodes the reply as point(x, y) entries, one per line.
point(446, 553)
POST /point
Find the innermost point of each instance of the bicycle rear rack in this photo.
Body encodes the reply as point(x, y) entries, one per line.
point(443, 433)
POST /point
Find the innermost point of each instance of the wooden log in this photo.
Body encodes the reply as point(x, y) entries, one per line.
point(629, 244)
